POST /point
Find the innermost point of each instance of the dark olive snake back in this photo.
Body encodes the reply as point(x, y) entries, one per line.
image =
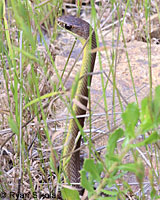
point(81, 29)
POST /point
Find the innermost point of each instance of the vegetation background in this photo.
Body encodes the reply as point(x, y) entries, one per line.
point(121, 148)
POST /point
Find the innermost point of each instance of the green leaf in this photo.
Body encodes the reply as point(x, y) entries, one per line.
point(154, 137)
point(146, 116)
point(153, 193)
point(85, 183)
point(112, 145)
point(93, 169)
point(112, 141)
point(130, 118)
point(156, 105)
point(150, 112)
point(112, 193)
point(113, 158)
point(136, 168)
point(13, 125)
point(130, 167)
point(107, 198)
point(70, 194)
point(157, 197)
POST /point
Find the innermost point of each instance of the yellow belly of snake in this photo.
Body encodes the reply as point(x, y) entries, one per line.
point(81, 29)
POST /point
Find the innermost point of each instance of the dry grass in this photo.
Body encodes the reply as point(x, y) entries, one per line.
point(35, 162)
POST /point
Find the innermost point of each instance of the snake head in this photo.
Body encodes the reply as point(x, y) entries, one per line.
point(76, 26)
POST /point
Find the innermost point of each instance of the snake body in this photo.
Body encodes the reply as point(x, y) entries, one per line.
point(80, 29)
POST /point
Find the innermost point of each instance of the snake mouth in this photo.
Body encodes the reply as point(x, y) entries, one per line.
point(65, 26)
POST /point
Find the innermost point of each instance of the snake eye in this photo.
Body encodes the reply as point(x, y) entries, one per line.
point(68, 27)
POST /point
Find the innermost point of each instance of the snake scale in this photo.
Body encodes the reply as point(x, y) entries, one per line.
point(80, 29)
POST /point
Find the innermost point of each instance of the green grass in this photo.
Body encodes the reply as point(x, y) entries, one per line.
point(31, 97)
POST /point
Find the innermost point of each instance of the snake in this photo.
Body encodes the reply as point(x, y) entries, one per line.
point(84, 32)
